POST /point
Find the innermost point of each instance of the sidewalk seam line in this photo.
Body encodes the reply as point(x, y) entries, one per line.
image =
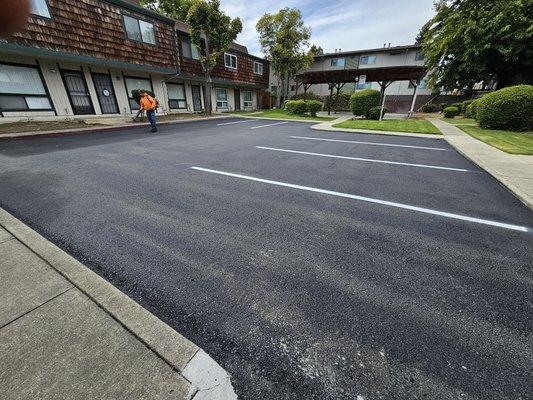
point(37, 307)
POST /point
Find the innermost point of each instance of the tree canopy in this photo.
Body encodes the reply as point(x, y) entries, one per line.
point(470, 41)
point(284, 40)
point(177, 9)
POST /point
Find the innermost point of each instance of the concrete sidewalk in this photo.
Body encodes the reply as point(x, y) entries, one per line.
point(66, 333)
point(514, 171)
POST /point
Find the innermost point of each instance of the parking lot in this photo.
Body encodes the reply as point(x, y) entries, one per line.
point(310, 265)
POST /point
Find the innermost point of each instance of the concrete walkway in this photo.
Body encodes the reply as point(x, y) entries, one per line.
point(514, 171)
point(66, 333)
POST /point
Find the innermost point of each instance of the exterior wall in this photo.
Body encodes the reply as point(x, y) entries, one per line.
point(95, 28)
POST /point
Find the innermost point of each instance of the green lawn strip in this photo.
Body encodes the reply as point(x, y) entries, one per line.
point(280, 114)
point(510, 142)
point(392, 125)
point(460, 121)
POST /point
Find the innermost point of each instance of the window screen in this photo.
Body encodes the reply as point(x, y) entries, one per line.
point(39, 7)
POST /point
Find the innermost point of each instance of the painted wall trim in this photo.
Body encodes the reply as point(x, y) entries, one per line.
point(51, 54)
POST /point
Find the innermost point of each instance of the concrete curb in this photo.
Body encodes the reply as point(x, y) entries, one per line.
point(209, 379)
point(96, 129)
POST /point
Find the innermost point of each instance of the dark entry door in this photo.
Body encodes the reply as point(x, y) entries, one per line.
point(78, 92)
point(106, 93)
point(196, 98)
point(237, 99)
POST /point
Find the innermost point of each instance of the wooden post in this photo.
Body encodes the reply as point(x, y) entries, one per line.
point(415, 93)
point(331, 86)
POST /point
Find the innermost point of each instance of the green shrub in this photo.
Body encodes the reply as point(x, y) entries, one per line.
point(136, 94)
point(313, 106)
point(442, 106)
point(465, 104)
point(308, 96)
point(473, 109)
point(298, 107)
point(374, 112)
point(509, 108)
point(429, 108)
point(342, 103)
point(451, 112)
point(361, 102)
point(458, 105)
point(468, 111)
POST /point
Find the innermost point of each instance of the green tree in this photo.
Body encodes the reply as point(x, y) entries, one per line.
point(213, 32)
point(177, 9)
point(284, 40)
point(470, 41)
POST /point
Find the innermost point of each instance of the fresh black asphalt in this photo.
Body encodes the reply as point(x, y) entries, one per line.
point(299, 295)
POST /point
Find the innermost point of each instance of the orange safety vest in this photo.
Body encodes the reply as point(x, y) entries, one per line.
point(148, 103)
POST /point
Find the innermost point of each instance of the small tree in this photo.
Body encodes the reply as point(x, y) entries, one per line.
point(213, 32)
point(284, 40)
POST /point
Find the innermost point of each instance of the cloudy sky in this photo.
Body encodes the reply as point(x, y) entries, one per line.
point(344, 24)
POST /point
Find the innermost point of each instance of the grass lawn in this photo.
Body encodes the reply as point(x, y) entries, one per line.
point(510, 142)
point(393, 125)
point(280, 114)
point(460, 121)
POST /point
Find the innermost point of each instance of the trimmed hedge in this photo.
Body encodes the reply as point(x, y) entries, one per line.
point(361, 102)
point(509, 108)
point(458, 105)
point(429, 108)
point(451, 112)
point(374, 112)
point(473, 109)
point(297, 107)
point(313, 106)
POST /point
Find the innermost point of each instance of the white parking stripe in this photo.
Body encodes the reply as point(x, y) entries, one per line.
point(264, 126)
point(372, 200)
point(369, 143)
point(364, 159)
point(237, 122)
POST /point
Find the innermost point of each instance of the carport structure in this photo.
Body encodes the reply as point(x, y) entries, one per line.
point(338, 69)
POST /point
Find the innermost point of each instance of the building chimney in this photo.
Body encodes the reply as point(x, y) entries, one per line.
point(384, 45)
point(389, 45)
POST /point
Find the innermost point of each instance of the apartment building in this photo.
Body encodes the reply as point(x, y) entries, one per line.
point(238, 79)
point(401, 67)
point(77, 58)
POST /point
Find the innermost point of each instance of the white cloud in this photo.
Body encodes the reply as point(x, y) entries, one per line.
point(345, 24)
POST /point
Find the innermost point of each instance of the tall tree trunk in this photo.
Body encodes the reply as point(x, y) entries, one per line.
point(278, 92)
point(208, 81)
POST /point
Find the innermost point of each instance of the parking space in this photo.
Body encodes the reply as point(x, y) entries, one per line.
point(311, 265)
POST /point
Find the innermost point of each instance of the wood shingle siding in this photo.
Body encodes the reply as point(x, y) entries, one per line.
point(95, 28)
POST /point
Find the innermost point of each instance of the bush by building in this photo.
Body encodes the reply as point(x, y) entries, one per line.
point(465, 104)
point(451, 112)
point(297, 107)
point(510, 108)
point(313, 106)
point(342, 103)
point(361, 102)
point(375, 112)
point(308, 96)
point(430, 108)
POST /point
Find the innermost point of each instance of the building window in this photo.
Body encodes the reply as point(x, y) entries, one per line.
point(176, 96)
point(139, 30)
point(230, 61)
point(273, 88)
point(136, 84)
point(338, 62)
point(222, 98)
point(22, 89)
point(189, 49)
point(258, 68)
point(40, 8)
point(248, 99)
point(367, 60)
point(366, 85)
point(419, 56)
